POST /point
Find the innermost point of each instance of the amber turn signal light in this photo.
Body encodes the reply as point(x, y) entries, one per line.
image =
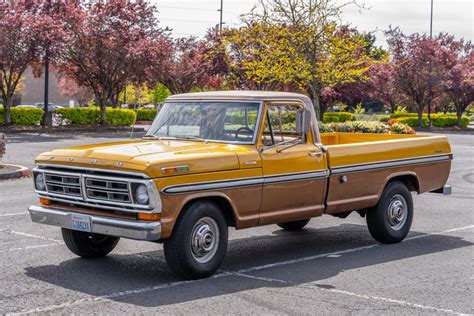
point(149, 216)
point(44, 201)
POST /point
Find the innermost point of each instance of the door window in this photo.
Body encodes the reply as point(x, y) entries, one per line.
point(280, 124)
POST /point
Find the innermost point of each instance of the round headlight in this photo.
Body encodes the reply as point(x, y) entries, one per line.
point(141, 194)
point(39, 182)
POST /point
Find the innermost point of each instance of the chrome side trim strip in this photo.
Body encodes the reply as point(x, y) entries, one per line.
point(203, 186)
point(230, 184)
point(296, 176)
point(99, 224)
point(390, 163)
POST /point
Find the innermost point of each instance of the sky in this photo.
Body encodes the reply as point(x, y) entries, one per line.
point(194, 17)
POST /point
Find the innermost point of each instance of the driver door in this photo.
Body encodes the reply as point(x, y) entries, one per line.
point(295, 175)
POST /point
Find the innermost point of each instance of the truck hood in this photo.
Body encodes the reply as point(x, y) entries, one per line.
point(148, 156)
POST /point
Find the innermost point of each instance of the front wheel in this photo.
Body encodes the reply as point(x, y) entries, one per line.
point(89, 245)
point(199, 241)
point(390, 221)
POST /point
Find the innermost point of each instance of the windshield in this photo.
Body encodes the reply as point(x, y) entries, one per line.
point(214, 121)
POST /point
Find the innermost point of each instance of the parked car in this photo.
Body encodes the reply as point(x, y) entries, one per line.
point(237, 158)
point(51, 107)
point(26, 106)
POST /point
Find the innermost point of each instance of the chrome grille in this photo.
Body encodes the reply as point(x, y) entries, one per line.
point(63, 184)
point(96, 188)
point(118, 191)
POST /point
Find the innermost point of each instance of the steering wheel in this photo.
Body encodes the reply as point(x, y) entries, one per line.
point(246, 129)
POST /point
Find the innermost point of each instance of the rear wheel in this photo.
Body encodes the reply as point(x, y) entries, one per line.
point(199, 241)
point(295, 225)
point(89, 245)
point(390, 221)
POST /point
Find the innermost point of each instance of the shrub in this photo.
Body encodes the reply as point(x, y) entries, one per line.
point(331, 117)
point(120, 117)
point(413, 121)
point(390, 122)
point(324, 128)
point(359, 109)
point(442, 120)
point(146, 115)
point(359, 127)
point(23, 116)
point(80, 116)
point(384, 118)
point(368, 127)
point(366, 117)
point(437, 119)
point(403, 114)
point(400, 128)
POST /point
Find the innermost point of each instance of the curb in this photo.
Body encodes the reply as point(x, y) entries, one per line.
point(20, 173)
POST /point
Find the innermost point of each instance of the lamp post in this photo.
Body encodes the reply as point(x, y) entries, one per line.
point(47, 114)
point(429, 77)
point(220, 20)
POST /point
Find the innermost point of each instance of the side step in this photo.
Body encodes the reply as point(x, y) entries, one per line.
point(445, 190)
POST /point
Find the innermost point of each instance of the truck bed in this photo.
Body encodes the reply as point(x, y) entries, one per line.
point(362, 164)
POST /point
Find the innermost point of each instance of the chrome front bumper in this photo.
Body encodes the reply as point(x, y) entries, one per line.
point(99, 224)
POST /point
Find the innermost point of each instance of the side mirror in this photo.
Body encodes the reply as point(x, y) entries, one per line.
point(303, 121)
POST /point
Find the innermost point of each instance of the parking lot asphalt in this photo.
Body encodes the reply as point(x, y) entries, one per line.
point(332, 267)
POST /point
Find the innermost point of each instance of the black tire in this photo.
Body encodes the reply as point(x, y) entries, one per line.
point(390, 220)
point(89, 245)
point(189, 260)
point(295, 225)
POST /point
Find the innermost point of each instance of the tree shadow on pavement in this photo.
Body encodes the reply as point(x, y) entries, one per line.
point(123, 272)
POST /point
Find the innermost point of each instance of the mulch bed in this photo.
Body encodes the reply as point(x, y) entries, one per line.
point(13, 172)
point(446, 130)
point(68, 129)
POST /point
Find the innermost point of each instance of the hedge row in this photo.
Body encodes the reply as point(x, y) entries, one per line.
point(438, 119)
point(334, 117)
point(365, 127)
point(146, 115)
point(91, 115)
point(23, 116)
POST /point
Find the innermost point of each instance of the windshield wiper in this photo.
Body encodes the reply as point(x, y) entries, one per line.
point(174, 137)
point(151, 136)
point(189, 137)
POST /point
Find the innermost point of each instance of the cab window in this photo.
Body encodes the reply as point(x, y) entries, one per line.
point(280, 124)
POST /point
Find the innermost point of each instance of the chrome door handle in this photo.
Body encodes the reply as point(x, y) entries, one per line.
point(315, 154)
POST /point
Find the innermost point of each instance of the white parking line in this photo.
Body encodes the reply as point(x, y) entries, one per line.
point(29, 235)
point(13, 214)
point(364, 296)
point(29, 247)
point(390, 300)
point(241, 272)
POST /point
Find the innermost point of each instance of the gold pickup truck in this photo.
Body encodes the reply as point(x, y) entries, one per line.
point(235, 158)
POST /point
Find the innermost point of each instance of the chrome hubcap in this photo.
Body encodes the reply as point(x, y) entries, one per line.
point(397, 212)
point(204, 239)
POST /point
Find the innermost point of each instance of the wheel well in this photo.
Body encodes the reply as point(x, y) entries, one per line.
point(411, 181)
point(222, 203)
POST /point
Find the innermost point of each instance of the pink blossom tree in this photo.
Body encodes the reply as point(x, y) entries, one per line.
point(69, 88)
point(111, 44)
point(19, 47)
point(459, 82)
point(191, 67)
point(421, 65)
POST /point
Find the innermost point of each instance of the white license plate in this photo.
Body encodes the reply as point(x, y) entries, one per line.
point(81, 222)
